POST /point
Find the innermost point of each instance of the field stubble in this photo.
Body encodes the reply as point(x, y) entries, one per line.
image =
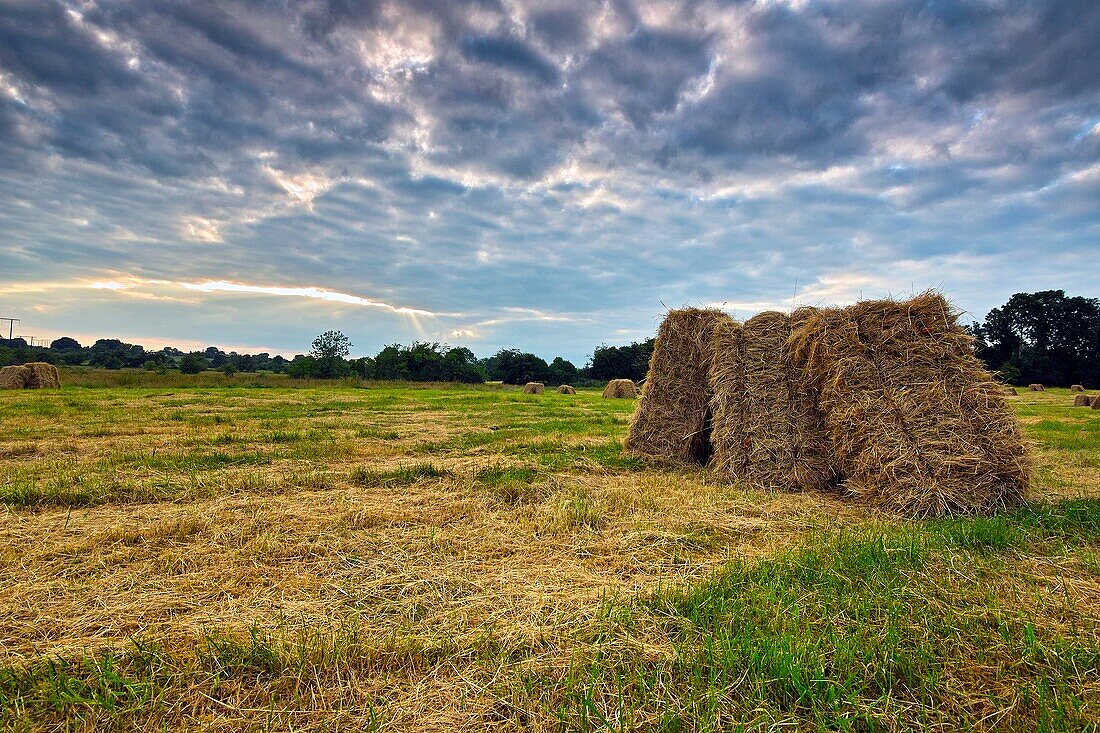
point(453, 557)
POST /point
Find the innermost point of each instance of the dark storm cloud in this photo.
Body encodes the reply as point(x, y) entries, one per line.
point(592, 160)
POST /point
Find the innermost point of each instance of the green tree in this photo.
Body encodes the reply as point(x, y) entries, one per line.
point(513, 366)
point(621, 362)
point(302, 367)
point(561, 371)
point(329, 351)
point(193, 363)
point(115, 354)
point(65, 344)
point(1042, 337)
point(390, 363)
point(463, 366)
point(215, 356)
point(363, 367)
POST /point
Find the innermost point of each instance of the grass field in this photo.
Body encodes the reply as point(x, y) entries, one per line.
point(189, 555)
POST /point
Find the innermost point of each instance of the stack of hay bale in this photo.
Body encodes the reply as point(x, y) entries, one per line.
point(673, 416)
point(767, 429)
point(43, 375)
point(534, 388)
point(1082, 400)
point(565, 389)
point(620, 388)
point(14, 377)
point(33, 375)
point(884, 399)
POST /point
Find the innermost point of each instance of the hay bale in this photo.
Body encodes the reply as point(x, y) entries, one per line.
point(620, 388)
point(565, 389)
point(726, 378)
point(917, 424)
point(14, 377)
point(672, 420)
point(1095, 402)
point(767, 429)
point(1011, 391)
point(1036, 388)
point(1082, 400)
point(534, 388)
point(42, 375)
point(1076, 388)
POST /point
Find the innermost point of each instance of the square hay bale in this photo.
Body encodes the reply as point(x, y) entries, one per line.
point(1082, 400)
point(818, 468)
point(42, 375)
point(918, 426)
point(767, 429)
point(726, 380)
point(534, 388)
point(620, 388)
point(14, 377)
point(565, 389)
point(1076, 388)
point(1036, 388)
point(672, 420)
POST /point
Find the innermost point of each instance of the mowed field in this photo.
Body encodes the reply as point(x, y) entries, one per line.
point(191, 555)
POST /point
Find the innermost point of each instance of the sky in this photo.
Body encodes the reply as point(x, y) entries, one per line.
point(542, 175)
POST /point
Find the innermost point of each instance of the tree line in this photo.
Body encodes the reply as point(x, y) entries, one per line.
point(328, 358)
point(1042, 337)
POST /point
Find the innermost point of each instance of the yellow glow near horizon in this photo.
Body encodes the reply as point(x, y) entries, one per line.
point(225, 286)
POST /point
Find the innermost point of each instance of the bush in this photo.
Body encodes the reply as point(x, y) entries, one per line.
point(193, 363)
point(303, 367)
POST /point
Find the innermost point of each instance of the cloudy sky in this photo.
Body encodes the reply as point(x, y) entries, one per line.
point(547, 175)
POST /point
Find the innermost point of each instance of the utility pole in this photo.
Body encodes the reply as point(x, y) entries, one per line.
point(11, 326)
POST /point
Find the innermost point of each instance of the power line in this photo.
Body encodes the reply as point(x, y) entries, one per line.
point(11, 326)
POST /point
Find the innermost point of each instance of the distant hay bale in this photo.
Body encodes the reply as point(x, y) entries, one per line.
point(767, 429)
point(565, 389)
point(1011, 391)
point(1036, 388)
point(14, 377)
point(620, 388)
point(672, 419)
point(534, 388)
point(42, 375)
point(1082, 400)
point(917, 425)
point(1076, 388)
point(1095, 402)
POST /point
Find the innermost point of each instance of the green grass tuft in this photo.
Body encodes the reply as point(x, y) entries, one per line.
point(397, 477)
